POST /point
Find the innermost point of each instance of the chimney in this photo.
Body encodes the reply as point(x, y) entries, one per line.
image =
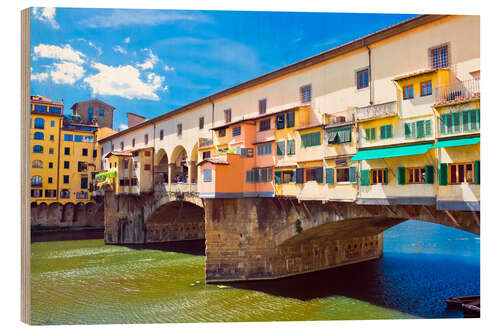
point(134, 119)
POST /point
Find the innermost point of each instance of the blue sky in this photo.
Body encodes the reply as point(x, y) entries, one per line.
point(150, 62)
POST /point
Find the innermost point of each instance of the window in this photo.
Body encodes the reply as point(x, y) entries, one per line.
point(290, 119)
point(36, 193)
point(305, 93)
point(38, 136)
point(362, 78)
point(146, 138)
point(49, 180)
point(370, 134)
point(51, 150)
point(78, 138)
point(237, 131)
point(39, 123)
point(408, 92)
point(37, 164)
point(101, 112)
point(262, 106)
point(133, 143)
point(51, 138)
point(65, 194)
point(94, 153)
point(426, 88)
point(418, 129)
point(82, 166)
point(246, 152)
point(51, 165)
point(66, 150)
point(310, 174)
point(85, 152)
point(54, 109)
point(280, 148)
point(227, 115)
point(147, 153)
point(121, 145)
point(290, 147)
point(288, 177)
point(50, 193)
point(261, 175)
point(66, 164)
point(207, 175)
point(125, 164)
point(40, 108)
point(438, 57)
point(52, 123)
point(222, 132)
point(133, 182)
point(37, 149)
point(206, 154)
point(339, 135)
point(147, 167)
point(416, 175)
point(265, 149)
point(461, 173)
point(91, 113)
point(68, 137)
point(461, 121)
point(265, 125)
point(386, 132)
point(36, 181)
point(379, 176)
point(179, 129)
point(280, 121)
point(342, 175)
point(84, 182)
point(311, 139)
point(201, 122)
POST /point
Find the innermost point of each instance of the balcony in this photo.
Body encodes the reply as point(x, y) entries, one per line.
point(458, 91)
point(203, 142)
point(177, 188)
point(376, 111)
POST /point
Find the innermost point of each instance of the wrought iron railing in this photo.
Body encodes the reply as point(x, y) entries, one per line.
point(458, 91)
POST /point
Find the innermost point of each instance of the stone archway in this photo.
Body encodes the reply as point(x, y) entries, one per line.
point(179, 167)
point(161, 167)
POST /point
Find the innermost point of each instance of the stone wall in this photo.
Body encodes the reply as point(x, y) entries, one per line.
point(57, 215)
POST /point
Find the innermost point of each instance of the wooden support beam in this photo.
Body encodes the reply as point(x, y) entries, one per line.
point(452, 218)
point(371, 209)
point(390, 209)
point(429, 211)
point(336, 210)
point(275, 205)
point(410, 210)
point(476, 218)
point(307, 210)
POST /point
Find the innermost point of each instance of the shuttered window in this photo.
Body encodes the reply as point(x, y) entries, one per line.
point(418, 129)
point(379, 176)
point(277, 177)
point(443, 174)
point(339, 135)
point(329, 175)
point(265, 149)
point(386, 132)
point(370, 134)
point(461, 121)
point(311, 139)
point(290, 119)
point(401, 175)
point(353, 174)
point(365, 177)
point(280, 148)
point(319, 174)
point(342, 175)
point(237, 131)
point(207, 175)
point(280, 121)
point(429, 173)
point(290, 147)
point(299, 174)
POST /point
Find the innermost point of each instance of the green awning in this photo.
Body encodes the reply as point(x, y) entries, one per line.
point(457, 142)
point(106, 174)
point(371, 154)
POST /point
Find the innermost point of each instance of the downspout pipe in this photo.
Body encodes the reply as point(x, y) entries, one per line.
point(370, 73)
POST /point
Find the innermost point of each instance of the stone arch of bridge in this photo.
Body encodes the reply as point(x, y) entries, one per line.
point(176, 220)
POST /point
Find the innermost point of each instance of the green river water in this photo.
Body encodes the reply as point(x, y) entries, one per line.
point(87, 282)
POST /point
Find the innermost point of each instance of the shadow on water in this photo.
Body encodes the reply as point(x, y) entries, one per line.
point(66, 235)
point(194, 247)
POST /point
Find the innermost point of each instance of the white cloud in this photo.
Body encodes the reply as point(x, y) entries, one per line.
point(119, 49)
point(66, 72)
point(126, 40)
point(122, 127)
point(65, 53)
point(168, 68)
point(150, 61)
point(99, 50)
point(40, 76)
point(124, 81)
point(47, 15)
point(127, 17)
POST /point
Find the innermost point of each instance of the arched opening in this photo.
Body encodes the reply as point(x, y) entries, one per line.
point(161, 167)
point(179, 166)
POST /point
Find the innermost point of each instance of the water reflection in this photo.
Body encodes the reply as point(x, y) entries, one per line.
point(195, 247)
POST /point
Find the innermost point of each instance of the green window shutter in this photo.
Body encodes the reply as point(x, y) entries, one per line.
point(382, 132)
point(303, 140)
point(319, 174)
point(290, 119)
point(294, 176)
point(368, 134)
point(474, 119)
point(456, 122)
point(428, 127)
point(386, 176)
point(443, 174)
point(442, 124)
point(280, 148)
point(388, 131)
point(299, 175)
point(353, 174)
point(429, 174)
point(348, 134)
point(365, 177)
point(277, 177)
point(329, 176)
point(317, 138)
point(373, 134)
point(420, 129)
point(478, 113)
point(477, 172)
point(401, 175)
point(407, 131)
point(449, 124)
point(466, 120)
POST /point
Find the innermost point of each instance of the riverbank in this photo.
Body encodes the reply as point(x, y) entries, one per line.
point(50, 234)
